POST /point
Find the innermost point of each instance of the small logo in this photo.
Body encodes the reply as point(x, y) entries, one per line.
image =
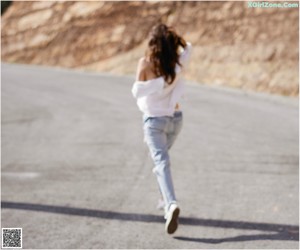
point(11, 237)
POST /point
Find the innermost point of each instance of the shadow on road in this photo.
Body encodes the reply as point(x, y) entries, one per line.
point(282, 232)
point(293, 236)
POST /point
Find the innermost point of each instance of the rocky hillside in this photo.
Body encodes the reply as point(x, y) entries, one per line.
point(249, 48)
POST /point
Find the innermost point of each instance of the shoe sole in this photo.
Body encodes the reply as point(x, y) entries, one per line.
point(172, 223)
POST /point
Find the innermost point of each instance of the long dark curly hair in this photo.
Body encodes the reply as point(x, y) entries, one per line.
point(163, 51)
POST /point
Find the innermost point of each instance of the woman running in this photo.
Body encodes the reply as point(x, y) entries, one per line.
point(158, 89)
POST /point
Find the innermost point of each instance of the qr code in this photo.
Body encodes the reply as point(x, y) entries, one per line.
point(11, 237)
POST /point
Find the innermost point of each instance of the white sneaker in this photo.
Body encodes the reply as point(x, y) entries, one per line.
point(172, 219)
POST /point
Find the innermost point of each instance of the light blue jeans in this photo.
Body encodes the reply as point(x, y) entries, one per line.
point(160, 134)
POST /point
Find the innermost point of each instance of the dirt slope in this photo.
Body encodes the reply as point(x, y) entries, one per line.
point(250, 48)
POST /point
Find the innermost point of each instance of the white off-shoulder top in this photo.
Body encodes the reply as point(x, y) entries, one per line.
point(155, 97)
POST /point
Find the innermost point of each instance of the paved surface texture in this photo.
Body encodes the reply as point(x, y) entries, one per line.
point(76, 173)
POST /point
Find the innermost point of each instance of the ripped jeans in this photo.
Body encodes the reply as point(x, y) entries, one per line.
point(160, 134)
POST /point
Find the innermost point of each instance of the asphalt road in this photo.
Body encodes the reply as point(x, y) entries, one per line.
point(76, 173)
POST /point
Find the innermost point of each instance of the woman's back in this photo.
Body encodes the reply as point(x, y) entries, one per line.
point(155, 96)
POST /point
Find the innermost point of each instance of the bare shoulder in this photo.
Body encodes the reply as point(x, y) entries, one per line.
point(145, 69)
point(144, 63)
